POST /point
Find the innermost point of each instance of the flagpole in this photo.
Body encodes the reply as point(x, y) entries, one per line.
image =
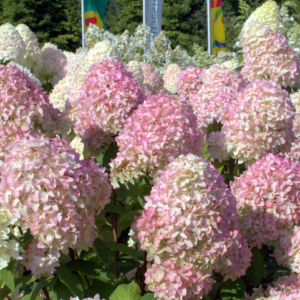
point(144, 11)
point(82, 24)
point(208, 27)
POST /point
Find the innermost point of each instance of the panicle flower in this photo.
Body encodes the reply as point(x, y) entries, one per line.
point(103, 49)
point(220, 87)
point(268, 13)
point(267, 198)
point(74, 64)
point(73, 93)
point(23, 103)
point(12, 47)
point(295, 98)
point(59, 94)
point(216, 146)
point(55, 195)
point(143, 37)
point(190, 81)
point(8, 247)
point(162, 128)
point(27, 71)
point(33, 52)
point(260, 122)
point(294, 154)
point(171, 78)
point(126, 45)
point(78, 146)
point(93, 35)
point(153, 82)
point(39, 262)
point(190, 228)
point(267, 55)
point(108, 97)
point(53, 63)
point(135, 67)
point(286, 287)
point(179, 57)
point(287, 250)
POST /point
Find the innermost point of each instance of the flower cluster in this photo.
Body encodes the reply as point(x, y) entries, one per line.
point(33, 53)
point(55, 195)
point(220, 87)
point(27, 71)
point(53, 63)
point(162, 128)
point(59, 94)
point(23, 103)
point(190, 81)
point(101, 50)
point(287, 250)
point(276, 61)
point(190, 228)
point(267, 198)
point(268, 13)
point(108, 97)
point(171, 78)
point(39, 262)
point(286, 287)
point(74, 63)
point(8, 247)
point(216, 146)
point(261, 122)
point(135, 67)
point(153, 82)
point(12, 47)
point(295, 98)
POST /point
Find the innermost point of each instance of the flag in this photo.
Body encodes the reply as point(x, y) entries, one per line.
point(152, 13)
point(94, 13)
point(218, 41)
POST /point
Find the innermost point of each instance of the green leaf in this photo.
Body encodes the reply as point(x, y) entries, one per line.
point(122, 248)
point(60, 291)
point(233, 290)
point(70, 280)
point(8, 277)
point(102, 288)
point(114, 208)
point(100, 249)
point(256, 271)
point(89, 268)
point(127, 219)
point(35, 293)
point(239, 18)
point(121, 264)
point(148, 297)
point(129, 291)
point(25, 279)
point(290, 4)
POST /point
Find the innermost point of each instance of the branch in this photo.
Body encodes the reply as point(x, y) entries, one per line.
point(5, 295)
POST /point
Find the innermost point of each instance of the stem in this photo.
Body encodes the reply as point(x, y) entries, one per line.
point(144, 271)
point(46, 293)
point(71, 254)
point(115, 231)
point(231, 168)
point(138, 271)
point(87, 280)
point(219, 289)
point(5, 295)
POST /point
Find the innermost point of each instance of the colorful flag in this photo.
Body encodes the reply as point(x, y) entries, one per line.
point(218, 41)
point(152, 12)
point(94, 13)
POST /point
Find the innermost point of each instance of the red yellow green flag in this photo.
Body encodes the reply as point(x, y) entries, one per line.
point(94, 13)
point(218, 41)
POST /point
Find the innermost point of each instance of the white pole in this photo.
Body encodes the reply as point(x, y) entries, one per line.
point(208, 27)
point(82, 23)
point(144, 11)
